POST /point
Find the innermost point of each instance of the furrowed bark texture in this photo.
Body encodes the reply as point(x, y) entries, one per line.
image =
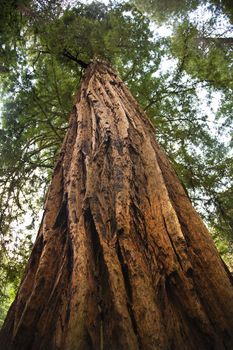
point(122, 260)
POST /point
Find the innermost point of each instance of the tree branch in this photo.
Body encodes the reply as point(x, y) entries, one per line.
point(67, 54)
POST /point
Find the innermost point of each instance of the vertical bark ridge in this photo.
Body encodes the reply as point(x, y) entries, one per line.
point(122, 260)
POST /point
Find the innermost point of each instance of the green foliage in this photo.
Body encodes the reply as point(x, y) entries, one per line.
point(6, 302)
point(9, 33)
point(224, 247)
point(172, 10)
point(167, 9)
point(11, 268)
point(201, 57)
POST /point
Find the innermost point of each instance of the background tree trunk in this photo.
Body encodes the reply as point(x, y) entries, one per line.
point(121, 260)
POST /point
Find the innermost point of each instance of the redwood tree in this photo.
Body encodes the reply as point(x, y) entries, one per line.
point(121, 260)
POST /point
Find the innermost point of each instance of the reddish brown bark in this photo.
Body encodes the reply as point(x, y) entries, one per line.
point(122, 260)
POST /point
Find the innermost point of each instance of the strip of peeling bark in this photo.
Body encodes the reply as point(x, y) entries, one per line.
point(122, 260)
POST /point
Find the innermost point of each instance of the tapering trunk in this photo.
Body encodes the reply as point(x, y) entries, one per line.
point(122, 260)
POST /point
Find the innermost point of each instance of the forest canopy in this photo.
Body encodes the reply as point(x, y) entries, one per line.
point(176, 59)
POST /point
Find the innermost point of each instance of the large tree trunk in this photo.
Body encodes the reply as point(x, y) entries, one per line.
point(122, 260)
